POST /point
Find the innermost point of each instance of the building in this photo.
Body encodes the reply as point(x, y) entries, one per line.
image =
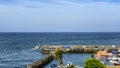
point(100, 54)
point(68, 47)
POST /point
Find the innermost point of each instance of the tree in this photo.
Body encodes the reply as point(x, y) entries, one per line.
point(58, 55)
point(60, 62)
point(93, 63)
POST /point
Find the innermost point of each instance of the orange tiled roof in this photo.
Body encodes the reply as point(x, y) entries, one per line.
point(103, 53)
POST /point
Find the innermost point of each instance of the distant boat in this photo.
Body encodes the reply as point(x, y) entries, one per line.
point(108, 59)
point(53, 65)
point(69, 64)
point(118, 53)
point(116, 63)
point(114, 58)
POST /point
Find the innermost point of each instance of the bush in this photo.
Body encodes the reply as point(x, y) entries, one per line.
point(60, 62)
point(72, 66)
point(58, 54)
point(93, 63)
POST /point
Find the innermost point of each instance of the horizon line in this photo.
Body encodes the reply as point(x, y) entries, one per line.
point(62, 32)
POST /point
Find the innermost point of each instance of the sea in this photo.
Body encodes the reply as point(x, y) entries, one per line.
point(17, 49)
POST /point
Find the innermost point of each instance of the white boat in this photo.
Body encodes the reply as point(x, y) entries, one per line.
point(111, 61)
point(69, 64)
point(102, 62)
point(114, 59)
point(77, 66)
point(119, 51)
point(109, 58)
point(118, 55)
point(116, 63)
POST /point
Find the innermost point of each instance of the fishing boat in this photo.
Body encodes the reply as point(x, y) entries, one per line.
point(109, 58)
point(118, 53)
point(114, 58)
point(116, 63)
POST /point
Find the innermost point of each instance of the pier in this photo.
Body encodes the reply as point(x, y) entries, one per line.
point(41, 62)
point(49, 49)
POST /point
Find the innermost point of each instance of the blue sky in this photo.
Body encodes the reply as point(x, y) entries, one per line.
point(59, 15)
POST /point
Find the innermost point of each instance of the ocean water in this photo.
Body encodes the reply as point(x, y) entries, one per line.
point(18, 49)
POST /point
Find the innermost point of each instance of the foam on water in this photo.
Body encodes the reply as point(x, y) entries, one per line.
point(35, 48)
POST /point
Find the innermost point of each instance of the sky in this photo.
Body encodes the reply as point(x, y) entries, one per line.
point(59, 15)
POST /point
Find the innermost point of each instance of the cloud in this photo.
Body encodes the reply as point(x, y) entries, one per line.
point(38, 3)
point(59, 15)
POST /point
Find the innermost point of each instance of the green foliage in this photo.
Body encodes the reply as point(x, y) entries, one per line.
point(72, 66)
point(60, 61)
point(58, 54)
point(93, 63)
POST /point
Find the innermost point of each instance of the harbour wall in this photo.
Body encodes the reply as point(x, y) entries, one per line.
point(41, 62)
point(78, 48)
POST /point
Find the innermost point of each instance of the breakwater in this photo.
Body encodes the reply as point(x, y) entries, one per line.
point(41, 62)
point(78, 48)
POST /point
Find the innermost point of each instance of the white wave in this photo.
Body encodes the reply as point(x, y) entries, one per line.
point(35, 48)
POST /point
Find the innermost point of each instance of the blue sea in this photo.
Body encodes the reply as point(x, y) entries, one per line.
point(18, 49)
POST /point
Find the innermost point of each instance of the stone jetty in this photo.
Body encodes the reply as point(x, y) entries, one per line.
point(49, 49)
point(41, 62)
